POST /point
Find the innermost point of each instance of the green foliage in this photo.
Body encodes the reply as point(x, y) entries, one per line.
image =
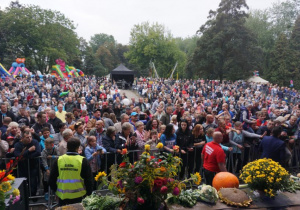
point(154, 43)
point(39, 35)
point(187, 198)
point(187, 45)
point(280, 71)
point(226, 49)
point(101, 39)
point(282, 15)
point(259, 24)
point(95, 202)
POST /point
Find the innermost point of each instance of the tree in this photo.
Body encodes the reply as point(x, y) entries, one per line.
point(187, 45)
point(154, 43)
point(101, 39)
point(295, 52)
point(281, 71)
point(226, 49)
point(41, 36)
point(283, 15)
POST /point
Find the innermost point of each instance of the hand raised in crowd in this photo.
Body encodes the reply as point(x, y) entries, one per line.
point(230, 149)
point(133, 139)
point(8, 130)
point(18, 135)
point(119, 151)
point(183, 152)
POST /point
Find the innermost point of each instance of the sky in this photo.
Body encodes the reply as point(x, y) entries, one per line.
point(117, 17)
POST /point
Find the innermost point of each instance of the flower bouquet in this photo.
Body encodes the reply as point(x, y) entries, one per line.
point(6, 182)
point(265, 175)
point(146, 183)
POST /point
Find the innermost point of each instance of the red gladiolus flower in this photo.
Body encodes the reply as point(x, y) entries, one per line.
point(140, 200)
point(152, 157)
point(159, 160)
point(122, 165)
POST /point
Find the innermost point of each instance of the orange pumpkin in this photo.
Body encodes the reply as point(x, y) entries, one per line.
point(225, 180)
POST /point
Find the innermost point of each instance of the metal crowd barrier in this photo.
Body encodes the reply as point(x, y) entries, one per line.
point(252, 154)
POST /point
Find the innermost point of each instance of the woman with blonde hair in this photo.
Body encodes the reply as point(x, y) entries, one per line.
point(141, 135)
point(174, 122)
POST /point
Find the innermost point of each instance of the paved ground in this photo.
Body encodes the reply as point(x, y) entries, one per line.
point(130, 94)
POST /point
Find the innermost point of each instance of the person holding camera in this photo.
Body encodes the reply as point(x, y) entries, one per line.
point(92, 153)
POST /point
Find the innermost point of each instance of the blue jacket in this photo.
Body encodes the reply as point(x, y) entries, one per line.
point(274, 148)
point(89, 153)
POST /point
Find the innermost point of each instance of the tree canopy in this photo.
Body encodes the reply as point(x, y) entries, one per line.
point(39, 35)
point(226, 49)
point(154, 43)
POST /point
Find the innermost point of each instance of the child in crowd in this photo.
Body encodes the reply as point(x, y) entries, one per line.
point(153, 140)
point(49, 155)
point(84, 116)
point(162, 129)
point(92, 154)
point(45, 135)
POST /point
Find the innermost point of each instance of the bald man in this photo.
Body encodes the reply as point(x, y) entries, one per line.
point(213, 158)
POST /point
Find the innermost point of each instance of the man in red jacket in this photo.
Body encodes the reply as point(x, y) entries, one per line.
point(213, 158)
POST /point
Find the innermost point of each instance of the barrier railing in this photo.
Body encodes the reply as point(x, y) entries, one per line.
point(34, 173)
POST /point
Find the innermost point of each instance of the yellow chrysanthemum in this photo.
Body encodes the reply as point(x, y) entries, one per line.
point(16, 192)
point(159, 145)
point(147, 147)
point(5, 186)
point(10, 177)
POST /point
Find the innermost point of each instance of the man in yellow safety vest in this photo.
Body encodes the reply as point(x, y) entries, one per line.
point(71, 175)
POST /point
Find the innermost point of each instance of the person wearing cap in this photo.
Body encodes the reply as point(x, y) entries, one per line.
point(134, 117)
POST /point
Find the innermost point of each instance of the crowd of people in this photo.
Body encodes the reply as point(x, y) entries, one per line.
point(218, 126)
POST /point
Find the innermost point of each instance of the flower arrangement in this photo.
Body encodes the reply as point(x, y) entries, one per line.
point(265, 175)
point(6, 182)
point(146, 183)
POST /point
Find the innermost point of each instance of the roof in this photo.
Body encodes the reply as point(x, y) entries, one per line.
point(257, 79)
point(121, 69)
